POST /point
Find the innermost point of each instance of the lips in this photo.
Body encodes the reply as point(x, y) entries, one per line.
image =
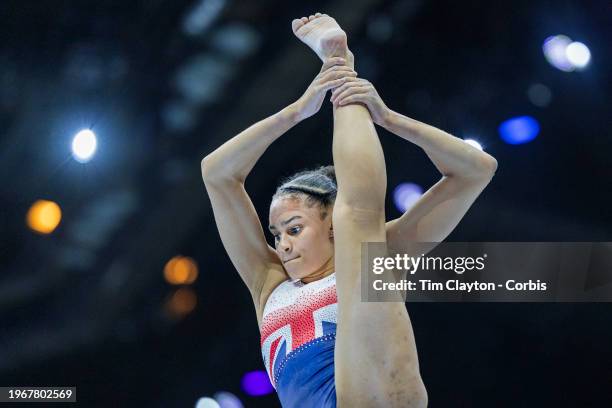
point(292, 259)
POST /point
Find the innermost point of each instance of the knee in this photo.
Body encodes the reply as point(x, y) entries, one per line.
point(419, 398)
point(412, 394)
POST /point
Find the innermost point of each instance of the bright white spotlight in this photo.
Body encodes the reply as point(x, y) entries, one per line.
point(207, 402)
point(578, 54)
point(84, 145)
point(474, 143)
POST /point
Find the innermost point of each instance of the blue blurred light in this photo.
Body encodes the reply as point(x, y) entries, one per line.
point(554, 48)
point(257, 383)
point(519, 130)
point(228, 400)
point(406, 195)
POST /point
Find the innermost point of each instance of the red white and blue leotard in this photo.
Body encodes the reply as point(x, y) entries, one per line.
point(298, 334)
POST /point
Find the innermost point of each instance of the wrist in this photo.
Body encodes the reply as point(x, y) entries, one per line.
point(291, 114)
point(387, 118)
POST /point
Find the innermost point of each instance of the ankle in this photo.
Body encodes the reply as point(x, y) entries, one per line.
point(350, 59)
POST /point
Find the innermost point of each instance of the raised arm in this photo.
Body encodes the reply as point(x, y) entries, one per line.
point(225, 170)
point(465, 170)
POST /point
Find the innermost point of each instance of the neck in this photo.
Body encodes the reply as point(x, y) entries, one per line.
point(325, 270)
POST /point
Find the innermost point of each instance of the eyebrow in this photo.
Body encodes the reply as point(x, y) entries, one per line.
point(283, 223)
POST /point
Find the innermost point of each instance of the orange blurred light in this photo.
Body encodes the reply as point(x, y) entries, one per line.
point(182, 302)
point(181, 270)
point(44, 216)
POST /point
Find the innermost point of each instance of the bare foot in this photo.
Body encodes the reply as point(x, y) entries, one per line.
point(323, 35)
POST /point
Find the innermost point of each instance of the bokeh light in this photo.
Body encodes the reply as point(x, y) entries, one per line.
point(228, 400)
point(519, 130)
point(406, 195)
point(474, 143)
point(182, 302)
point(257, 383)
point(181, 270)
point(207, 402)
point(84, 145)
point(44, 216)
point(554, 48)
point(578, 54)
point(564, 54)
point(539, 94)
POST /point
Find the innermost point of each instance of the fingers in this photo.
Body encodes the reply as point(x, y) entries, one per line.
point(354, 82)
point(333, 83)
point(362, 97)
point(341, 99)
point(335, 72)
point(332, 62)
point(356, 85)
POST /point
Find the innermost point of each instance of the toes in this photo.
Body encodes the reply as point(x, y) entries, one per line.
point(299, 22)
point(296, 24)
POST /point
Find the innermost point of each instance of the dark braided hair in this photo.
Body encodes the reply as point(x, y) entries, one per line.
point(316, 186)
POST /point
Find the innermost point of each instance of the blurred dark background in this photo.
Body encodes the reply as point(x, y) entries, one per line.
point(163, 83)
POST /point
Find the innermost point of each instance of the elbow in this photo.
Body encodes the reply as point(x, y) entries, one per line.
point(484, 169)
point(490, 165)
point(210, 171)
point(213, 171)
point(206, 162)
point(205, 166)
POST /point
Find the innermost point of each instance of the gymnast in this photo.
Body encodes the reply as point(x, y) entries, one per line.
point(322, 345)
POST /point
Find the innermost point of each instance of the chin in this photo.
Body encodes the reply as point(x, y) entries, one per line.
point(296, 273)
point(293, 274)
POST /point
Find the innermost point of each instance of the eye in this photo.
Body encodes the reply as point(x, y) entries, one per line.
point(295, 230)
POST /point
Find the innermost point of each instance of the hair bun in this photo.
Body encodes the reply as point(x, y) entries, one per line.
point(328, 171)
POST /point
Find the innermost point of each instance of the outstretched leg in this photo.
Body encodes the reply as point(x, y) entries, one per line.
point(376, 361)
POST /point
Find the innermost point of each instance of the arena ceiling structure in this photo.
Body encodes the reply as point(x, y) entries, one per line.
point(131, 297)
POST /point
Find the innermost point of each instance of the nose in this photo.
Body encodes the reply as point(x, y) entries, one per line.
point(284, 244)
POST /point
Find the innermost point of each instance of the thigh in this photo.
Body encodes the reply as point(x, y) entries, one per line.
point(375, 354)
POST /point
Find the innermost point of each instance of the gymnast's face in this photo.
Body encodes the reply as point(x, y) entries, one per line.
point(302, 240)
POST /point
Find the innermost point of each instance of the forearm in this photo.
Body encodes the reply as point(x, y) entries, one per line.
point(451, 155)
point(236, 158)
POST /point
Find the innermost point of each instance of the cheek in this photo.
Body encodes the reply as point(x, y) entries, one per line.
point(314, 242)
point(308, 242)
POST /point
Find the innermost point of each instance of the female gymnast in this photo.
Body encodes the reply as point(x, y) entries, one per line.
point(322, 346)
